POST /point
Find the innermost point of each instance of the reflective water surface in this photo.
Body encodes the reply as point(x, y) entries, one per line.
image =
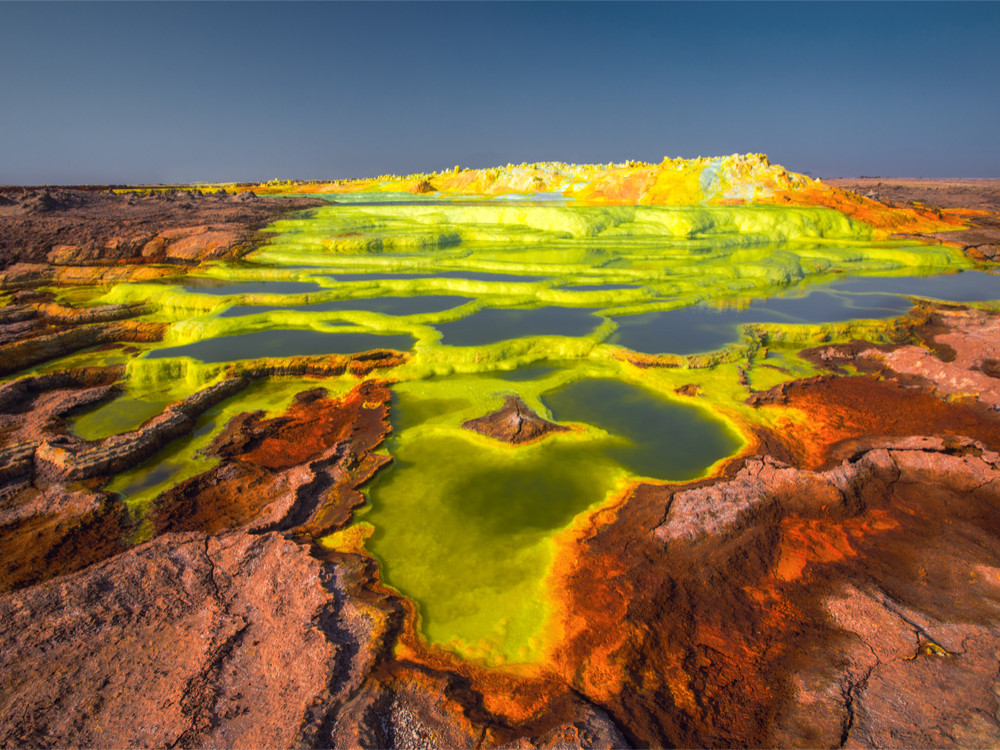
point(282, 343)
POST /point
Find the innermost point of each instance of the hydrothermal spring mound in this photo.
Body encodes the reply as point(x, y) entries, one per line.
point(684, 454)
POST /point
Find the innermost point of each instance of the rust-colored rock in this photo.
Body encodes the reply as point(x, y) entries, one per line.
point(17, 395)
point(28, 316)
point(514, 423)
point(234, 640)
point(835, 409)
point(298, 472)
point(45, 533)
point(49, 524)
point(29, 275)
point(422, 186)
point(35, 345)
point(737, 618)
point(688, 389)
point(33, 410)
point(328, 365)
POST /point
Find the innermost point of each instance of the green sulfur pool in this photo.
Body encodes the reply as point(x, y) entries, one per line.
point(489, 326)
point(964, 286)
point(415, 305)
point(655, 437)
point(702, 328)
point(464, 524)
point(123, 414)
point(281, 343)
point(206, 285)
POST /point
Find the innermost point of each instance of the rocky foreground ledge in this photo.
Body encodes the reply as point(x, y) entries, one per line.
point(783, 607)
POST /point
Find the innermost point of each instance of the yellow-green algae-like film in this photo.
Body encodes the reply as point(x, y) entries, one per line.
point(465, 523)
point(538, 299)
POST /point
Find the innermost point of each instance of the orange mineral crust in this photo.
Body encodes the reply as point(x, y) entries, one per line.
point(895, 220)
point(729, 613)
point(57, 533)
point(329, 365)
point(738, 179)
point(829, 410)
point(515, 694)
point(461, 703)
point(268, 466)
point(624, 186)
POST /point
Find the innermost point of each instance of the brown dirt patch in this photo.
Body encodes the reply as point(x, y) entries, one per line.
point(976, 202)
point(80, 227)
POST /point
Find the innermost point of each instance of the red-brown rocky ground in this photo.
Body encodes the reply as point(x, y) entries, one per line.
point(837, 584)
point(975, 201)
point(69, 226)
point(77, 236)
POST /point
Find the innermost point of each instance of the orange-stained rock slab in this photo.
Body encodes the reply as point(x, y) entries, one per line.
point(54, 531)
point(704, 616)
point(835, 409)
point(299, 471)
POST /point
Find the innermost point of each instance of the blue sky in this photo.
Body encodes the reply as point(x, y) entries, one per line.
point(178, 91)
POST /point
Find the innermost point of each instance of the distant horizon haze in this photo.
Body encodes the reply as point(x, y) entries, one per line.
point(210, 182)
point(177, 93)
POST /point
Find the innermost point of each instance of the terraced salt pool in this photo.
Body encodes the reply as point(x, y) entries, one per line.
point(704, 328)
point(544, 300)
point(490, 326)
point(416, 305)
